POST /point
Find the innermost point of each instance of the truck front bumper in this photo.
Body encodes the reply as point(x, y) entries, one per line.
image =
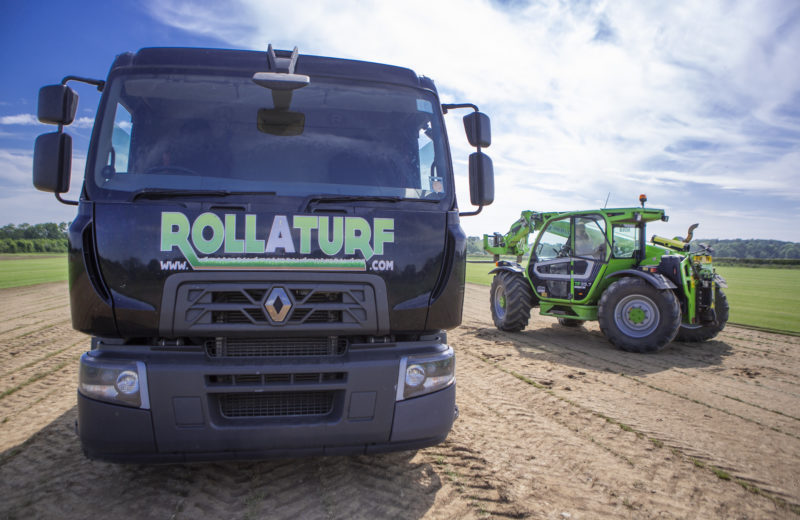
point(198, 409)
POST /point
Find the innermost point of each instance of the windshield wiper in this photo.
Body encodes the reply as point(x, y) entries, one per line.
point(324, 198)
point(165, 193)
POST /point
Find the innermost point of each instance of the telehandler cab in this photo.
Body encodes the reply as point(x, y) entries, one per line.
point(597, 265)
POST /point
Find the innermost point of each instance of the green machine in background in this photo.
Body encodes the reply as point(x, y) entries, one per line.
point(598, 265)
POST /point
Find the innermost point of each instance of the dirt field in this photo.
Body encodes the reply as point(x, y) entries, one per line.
point(555, 423)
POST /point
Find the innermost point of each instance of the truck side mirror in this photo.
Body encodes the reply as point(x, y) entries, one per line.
point(479, 129)
point(57, 105)
point(52, 162)
point(481, 179)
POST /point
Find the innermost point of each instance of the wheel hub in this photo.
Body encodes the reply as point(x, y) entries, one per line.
point(636, 316)
point(500, 302)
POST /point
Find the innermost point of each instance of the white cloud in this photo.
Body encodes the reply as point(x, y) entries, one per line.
point(30, 119)
point(21, 202)
point(19, 119)
point(83, 122)
point(586, 98)
point(16, 208)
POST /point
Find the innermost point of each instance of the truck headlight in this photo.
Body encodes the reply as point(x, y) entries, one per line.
point(114, 381)
point(420, 375)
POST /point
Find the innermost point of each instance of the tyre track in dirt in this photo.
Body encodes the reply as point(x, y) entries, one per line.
point(48, 477)
point(525, 446)
point(681, 385)
point(676, 357)
point(547, 456)
point(759, 412)
point(26, 303)
point(727, 433)
point(655, 367)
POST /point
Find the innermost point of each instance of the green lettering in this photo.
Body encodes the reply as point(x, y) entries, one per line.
point(384, 232)
point(210, 245)
point(357, 236)
point(175, 233)
point(331, 246)
point(305, 225)
point(251, 243)
point(232, 244)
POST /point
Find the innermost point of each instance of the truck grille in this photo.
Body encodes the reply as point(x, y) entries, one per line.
point(306, 378)
point(240, 307)
point(276, 404)
point(276, 347)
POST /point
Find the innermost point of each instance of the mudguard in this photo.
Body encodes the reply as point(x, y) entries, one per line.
point(659, 281)
point(504, 265)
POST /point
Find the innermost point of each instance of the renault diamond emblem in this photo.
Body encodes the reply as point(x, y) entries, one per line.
point(278, 304)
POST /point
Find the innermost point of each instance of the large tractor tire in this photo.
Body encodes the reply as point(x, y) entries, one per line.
point(511, 299)
point(697, 333)
point(637, 317)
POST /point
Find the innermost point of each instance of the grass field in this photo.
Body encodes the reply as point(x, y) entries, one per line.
point(768, 298)
point(759, 297)
point(30, 269)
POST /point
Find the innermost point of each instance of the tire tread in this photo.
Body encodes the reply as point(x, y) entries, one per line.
point(669, 309)
point(519, 300)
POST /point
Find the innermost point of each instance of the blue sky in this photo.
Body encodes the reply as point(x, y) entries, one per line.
point(696, 104)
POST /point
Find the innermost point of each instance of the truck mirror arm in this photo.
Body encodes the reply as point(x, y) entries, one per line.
point(99, 83)
point(66, 201)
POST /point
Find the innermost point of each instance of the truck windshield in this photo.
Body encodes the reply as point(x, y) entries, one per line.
point(183, 131)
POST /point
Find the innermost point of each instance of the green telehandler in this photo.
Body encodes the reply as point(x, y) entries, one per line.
point(597, 265)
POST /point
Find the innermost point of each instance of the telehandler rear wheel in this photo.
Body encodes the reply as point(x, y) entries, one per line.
point(696, 333)
point(511, 299)
point(637, 317)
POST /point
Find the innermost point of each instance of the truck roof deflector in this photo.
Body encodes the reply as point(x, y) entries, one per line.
point(282, 80)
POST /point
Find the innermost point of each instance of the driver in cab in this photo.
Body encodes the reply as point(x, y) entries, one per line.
point(591, 245)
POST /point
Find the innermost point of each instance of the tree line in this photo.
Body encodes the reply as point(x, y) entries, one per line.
point(752, 248)
point(34, 238)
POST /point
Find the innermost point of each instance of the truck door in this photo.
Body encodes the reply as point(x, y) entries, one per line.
point(567, 257)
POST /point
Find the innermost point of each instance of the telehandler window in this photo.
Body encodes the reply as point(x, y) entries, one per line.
point(554, 242)
point(626, 240)
point(590, 237)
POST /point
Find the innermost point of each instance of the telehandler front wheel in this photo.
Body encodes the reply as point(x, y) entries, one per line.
point(697, 333)
point(637, 317)
point(511, 299)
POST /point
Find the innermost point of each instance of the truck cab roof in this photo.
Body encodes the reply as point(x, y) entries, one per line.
point(256, 61)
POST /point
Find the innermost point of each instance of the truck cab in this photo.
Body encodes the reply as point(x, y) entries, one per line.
point(267, 254)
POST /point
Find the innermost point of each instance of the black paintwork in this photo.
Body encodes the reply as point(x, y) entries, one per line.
point(116, 279)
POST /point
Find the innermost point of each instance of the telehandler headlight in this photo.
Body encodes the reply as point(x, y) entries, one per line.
point(115, 381)
point(420, 375)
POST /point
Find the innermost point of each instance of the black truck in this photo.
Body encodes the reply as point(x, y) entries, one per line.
point(267, 254)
